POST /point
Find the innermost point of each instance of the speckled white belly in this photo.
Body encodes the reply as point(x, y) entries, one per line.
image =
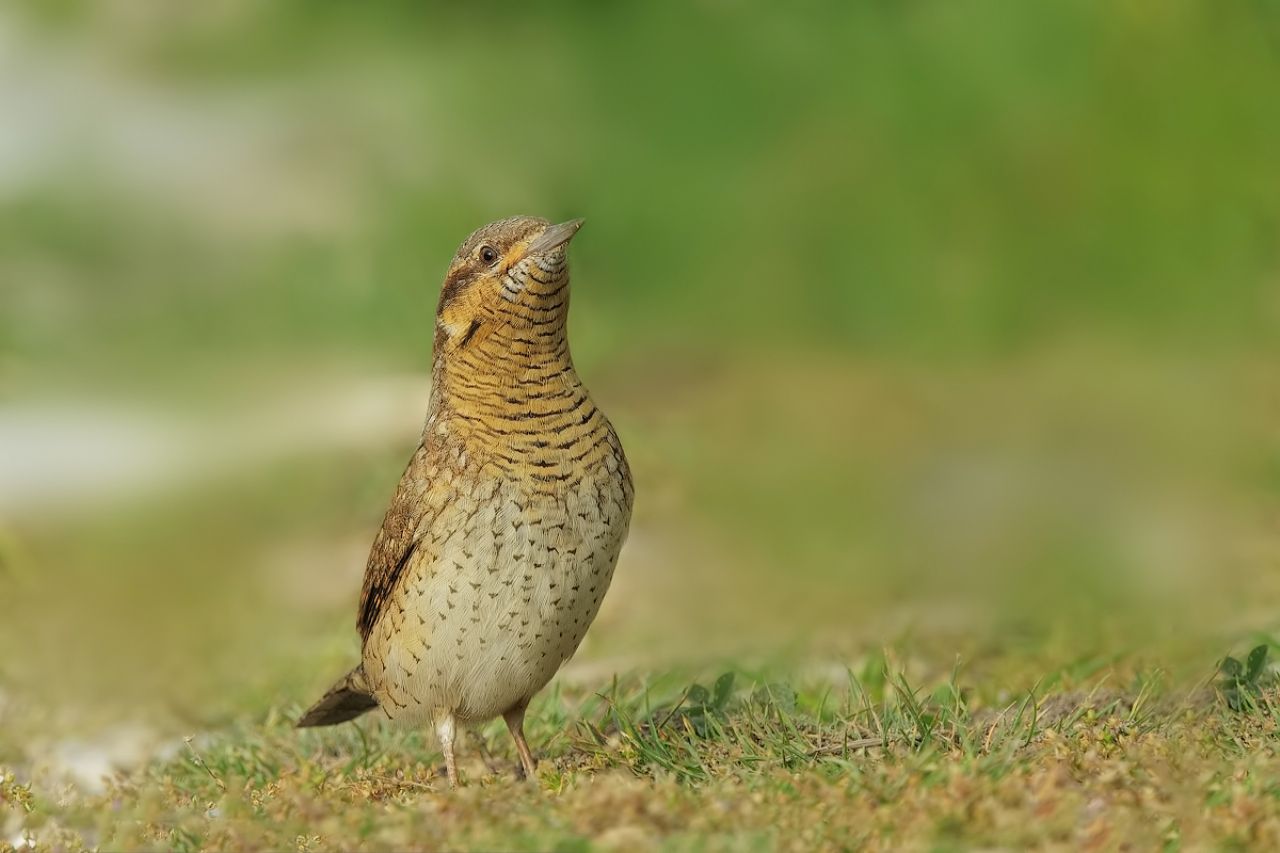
point(499, 601)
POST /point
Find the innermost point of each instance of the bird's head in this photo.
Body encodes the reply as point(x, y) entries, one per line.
point(512, 275)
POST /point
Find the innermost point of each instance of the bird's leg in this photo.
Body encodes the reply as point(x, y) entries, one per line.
point(515, 723)
point(445, 730)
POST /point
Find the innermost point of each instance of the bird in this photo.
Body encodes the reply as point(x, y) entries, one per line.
point(502, 536)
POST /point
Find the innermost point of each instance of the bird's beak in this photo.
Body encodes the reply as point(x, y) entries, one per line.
point(554, 237)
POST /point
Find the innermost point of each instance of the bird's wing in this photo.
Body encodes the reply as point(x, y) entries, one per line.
point(395, 543)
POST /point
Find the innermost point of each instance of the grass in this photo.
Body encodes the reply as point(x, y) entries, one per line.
point(751, 762)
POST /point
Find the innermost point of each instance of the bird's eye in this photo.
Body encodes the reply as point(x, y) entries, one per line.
point(488, 254)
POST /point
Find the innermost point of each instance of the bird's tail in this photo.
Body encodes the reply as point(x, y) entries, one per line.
point(346, 700)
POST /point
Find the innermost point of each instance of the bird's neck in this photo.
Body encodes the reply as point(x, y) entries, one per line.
point(504, 384)
point(495, 358)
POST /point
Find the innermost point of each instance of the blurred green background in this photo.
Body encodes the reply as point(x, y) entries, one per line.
point(944, 324)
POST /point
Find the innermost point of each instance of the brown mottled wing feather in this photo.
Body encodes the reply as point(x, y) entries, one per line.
point(395, 542)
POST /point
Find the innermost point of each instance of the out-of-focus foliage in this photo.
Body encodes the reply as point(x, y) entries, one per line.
point(950, 323)
point(935, 179)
